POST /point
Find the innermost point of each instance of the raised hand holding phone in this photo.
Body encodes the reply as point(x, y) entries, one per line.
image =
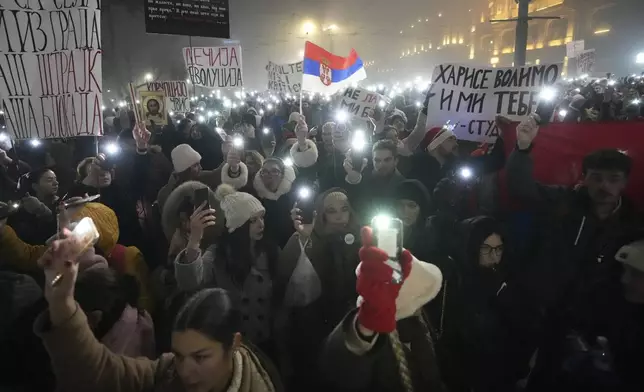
point(202, 218)
point(527, 131)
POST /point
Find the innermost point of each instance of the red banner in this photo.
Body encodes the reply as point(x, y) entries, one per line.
point(559, 150)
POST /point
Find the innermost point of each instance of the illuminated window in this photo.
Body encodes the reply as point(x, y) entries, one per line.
point(473, 29)
point(422, 47)
point(538, 61)
point(430, 45)
point(454, 40)
point(494, 60)
point(472, 52)
point(460, 40)
point(414, 49)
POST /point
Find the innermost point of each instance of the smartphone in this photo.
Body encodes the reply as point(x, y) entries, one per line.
point(77, 202)
point(548, 101)
point(86, 233)
point(201, 196)
point(358, 146)
point(9, 209)
point(388, 236)
point(306, 203)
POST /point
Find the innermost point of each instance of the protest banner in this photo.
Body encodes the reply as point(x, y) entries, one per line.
point(573, 48)
point(153, 107)
point(586, 62)
point(176, 94)
point(359, 102)
point(50, 68)
point(285, 78)
point(194, 18)
point(214, 67)
point(471, 97)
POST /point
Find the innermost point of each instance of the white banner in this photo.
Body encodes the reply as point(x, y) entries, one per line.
point(586, 62)
point(50, 68)
point(359, 102)
point(214, 67)
point(177, 94)
point(574, 48)
point(284, 78)
point(471, 97)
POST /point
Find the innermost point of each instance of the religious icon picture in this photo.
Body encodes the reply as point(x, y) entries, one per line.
point(153, 107)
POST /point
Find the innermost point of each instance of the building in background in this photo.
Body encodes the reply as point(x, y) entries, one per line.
point(461, 31)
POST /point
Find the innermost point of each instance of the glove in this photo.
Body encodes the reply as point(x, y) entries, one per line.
point(378, 308)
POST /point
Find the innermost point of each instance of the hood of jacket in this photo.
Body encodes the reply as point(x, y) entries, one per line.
point(170, 219)
point(282, 189)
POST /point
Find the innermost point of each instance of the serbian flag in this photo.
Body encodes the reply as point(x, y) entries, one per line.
point(326, 73)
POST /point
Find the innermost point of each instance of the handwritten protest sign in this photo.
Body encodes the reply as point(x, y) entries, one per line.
point(472, 96)
point(359, 102)
point(176, 94)
point(214, 67)
point(50, 68)
point(188, 17)
point(574, 48)
point(586, 62)
point(285, 78)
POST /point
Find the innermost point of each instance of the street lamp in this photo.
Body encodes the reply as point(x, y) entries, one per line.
point(639, 59)
point(149, 77)
point(308, 27)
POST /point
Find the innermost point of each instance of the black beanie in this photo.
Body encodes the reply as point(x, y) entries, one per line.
point(415, 191)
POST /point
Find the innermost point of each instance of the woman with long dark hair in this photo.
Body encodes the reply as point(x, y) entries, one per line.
point(242, 262)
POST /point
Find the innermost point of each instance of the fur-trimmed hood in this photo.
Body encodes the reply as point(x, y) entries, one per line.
point(284, 187)
point(306, 158)
point(170, 213)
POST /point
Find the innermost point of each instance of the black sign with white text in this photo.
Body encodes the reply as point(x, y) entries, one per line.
point(196, 18)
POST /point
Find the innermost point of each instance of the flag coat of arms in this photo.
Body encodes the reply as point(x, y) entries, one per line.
point(326, 73)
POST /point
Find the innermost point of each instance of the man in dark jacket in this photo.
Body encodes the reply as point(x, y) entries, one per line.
point(373, 191)
point(579, 230)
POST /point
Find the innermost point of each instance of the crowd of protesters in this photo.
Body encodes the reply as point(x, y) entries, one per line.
point(233, 253)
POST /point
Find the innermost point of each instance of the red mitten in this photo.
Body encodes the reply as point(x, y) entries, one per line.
point(378, 309)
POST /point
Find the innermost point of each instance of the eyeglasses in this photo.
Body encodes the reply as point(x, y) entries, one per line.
point(273, 172)
point(487, 250)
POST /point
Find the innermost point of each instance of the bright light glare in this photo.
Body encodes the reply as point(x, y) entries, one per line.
point(238, 142)
point(639, 59)
point(261, 112)
point(201, 119)
point(149, 77)
point(382, 222)
point(611, 82)
point(563, 113)
point(304, 192)
point(548, 94)
point(35, 143)
point(288, 162)
point(636, 101)
point(418, 104)
point(266, 131)
point(4, 137)
point(465, 173)
point(15, 205)
point(308, 27)
point(269, 106)
point(381, 104)
point(359, 141)
point(342, 116)
point(112, 148)
point(171, 114)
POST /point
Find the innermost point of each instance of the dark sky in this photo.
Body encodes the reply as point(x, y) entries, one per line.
point(267, 29)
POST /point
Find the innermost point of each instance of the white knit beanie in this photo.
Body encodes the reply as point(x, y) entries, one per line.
point(238, 207)
point(184, 156)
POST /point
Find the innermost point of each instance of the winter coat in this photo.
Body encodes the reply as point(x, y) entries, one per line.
point(573, 253)
point(132, 335)
point(256, 292)
point(353, 364)
point(81, 363)
point(33, 229)
point(125, 260)
point(373, 194)
point(334, 258)
point(278, 205)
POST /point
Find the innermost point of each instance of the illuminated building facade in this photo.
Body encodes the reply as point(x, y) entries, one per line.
point(461, 31)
